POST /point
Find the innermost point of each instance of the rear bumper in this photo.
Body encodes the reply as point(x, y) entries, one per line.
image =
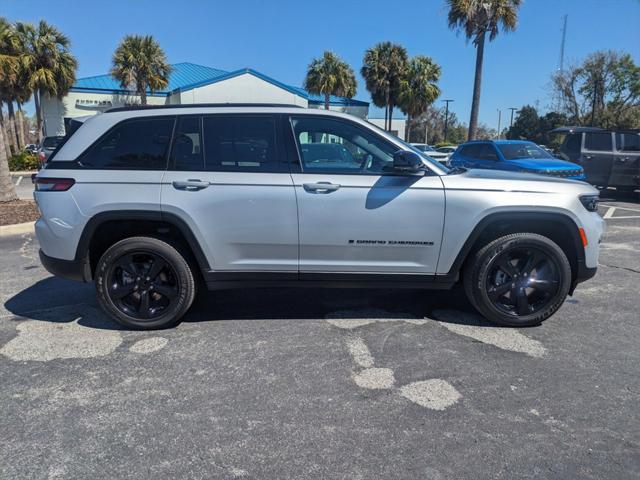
point(71, 269)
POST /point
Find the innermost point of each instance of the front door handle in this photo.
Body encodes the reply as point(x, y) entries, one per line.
point(191, 185)
point(321, 187)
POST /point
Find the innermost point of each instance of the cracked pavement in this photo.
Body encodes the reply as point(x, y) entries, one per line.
point(327, 384)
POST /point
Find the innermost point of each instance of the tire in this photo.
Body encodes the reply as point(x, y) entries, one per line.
point(145, 283)
point(518, 280)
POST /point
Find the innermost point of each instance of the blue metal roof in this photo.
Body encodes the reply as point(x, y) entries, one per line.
point(186, 76)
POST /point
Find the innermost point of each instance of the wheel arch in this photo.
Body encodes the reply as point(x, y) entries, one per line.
point(559, 227)
point(105, 228)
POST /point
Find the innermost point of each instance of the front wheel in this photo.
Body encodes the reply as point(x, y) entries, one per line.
point(144, 283)
point(518, 280)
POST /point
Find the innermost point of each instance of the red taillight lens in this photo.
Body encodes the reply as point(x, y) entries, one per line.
point(54, 184)
point(42, 156)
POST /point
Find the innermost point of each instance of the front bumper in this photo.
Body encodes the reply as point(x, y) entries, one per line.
point(78, 270)
point(584, 274)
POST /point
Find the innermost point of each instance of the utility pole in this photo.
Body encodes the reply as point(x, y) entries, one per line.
point(513, 109)
point(562, 43)
point(499, 121)
point(446, 117)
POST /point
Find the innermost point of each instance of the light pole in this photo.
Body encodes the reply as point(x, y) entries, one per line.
point(499, 121)
point(513, 109)
point(446, 117)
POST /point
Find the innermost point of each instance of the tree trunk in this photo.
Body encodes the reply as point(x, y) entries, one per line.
point(36, 98)
point(390, 116)
point(143, 95)
point(5, 138)
point(14, 126)
point(475, 104)
point(20, 117)
point(7, 190)
point(387, 120)
point(407, 134)
point(326, 101)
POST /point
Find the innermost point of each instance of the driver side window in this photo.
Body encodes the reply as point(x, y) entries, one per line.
point(335, 146)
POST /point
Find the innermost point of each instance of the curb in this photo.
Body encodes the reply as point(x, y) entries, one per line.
point(23, 174)
point(17, 229)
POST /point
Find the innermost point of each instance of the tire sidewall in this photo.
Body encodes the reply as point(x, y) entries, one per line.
point(186, 286)
point(487, 260)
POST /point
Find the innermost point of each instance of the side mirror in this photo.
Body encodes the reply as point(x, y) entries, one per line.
point(407, 162)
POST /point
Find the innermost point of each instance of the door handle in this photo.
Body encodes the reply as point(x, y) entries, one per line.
point(623, 159)
point(321, 187)
point(191, 185)
point(588, 157)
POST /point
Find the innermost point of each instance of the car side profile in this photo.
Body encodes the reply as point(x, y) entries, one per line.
point(153, 204)
point(609, 158)
point(515, 156)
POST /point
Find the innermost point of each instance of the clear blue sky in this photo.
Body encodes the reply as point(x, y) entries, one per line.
point(279, 38)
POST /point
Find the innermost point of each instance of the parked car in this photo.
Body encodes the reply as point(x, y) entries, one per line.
point(31, 148)
point(47, 147)
point(609, 158)
point(432, 152)
point(513, 155)
point(152, 203)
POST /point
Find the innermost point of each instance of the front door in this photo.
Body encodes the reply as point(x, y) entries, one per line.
point(355, 214)
point(597, 157)
point(228, 178)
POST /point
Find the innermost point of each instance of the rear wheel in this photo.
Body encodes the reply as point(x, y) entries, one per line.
point(518, 280)
point(144, 283)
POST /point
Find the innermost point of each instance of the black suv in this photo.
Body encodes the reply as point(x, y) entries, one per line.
point(609, 158)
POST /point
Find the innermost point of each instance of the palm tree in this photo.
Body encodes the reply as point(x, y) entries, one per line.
point(9, 68)
point(384, 66)
point(9, 76)
point(49, 67)
point(140, 64)
point(418, 88)
point(328, 76)
point(476, 18)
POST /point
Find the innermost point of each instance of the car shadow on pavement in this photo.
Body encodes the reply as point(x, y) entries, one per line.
point(57, 300)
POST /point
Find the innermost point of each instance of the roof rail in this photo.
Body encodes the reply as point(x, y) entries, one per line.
point(199, 105)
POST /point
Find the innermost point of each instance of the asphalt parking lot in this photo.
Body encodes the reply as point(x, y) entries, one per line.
point(295, 383)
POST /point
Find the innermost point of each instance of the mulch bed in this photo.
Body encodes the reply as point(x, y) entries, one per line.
point(18, 211)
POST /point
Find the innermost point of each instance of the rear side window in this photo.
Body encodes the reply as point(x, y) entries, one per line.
point(186, 153)
point(471, 151)
point(599, 142)
point(241, 144)
point(628, 142)
point(140, 144)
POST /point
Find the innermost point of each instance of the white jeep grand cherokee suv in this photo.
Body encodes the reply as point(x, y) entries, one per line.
point(152, 203)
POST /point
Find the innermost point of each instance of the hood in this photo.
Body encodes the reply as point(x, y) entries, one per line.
point(545, 164)
point(504, 180)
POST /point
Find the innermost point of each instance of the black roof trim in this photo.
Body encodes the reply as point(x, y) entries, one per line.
point(576, 130)
point(200, 105)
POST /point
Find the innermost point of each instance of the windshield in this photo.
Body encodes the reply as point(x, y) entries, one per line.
point(514, 151)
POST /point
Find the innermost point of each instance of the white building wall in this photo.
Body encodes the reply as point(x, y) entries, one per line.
point(397, 125)
point(245, 88)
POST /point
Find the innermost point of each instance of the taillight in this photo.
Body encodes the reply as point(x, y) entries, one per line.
point(42, 157)
point(48, 184)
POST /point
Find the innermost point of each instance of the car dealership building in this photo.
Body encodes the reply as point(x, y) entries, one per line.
point(188, 83)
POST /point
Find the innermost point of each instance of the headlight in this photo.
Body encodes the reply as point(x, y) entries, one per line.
point(590, 202)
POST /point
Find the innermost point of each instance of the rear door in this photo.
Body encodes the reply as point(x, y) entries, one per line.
point(625, 172)
point(229, 180)
point(469, 156)
point(355, 214)
point(597, 157)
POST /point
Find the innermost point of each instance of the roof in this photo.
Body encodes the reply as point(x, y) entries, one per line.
point(575, 129)
point(187, 76)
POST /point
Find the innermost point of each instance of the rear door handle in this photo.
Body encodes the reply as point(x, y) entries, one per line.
point(191, 185)
point(321, 187)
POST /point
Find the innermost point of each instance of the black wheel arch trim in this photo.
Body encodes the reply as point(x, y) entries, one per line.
point(82, 250)
point(502, 217)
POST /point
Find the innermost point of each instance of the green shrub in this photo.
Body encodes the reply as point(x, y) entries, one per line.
point(23, 161)
point(443, 144)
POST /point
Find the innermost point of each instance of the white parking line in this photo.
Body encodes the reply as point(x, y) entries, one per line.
point(19, 180)
point(609, 213)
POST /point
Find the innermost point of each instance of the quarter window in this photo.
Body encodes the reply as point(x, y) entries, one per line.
point(241, 144)
point(599, 142)
point(628, 142)
point(140, 144)
point(334, 146)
